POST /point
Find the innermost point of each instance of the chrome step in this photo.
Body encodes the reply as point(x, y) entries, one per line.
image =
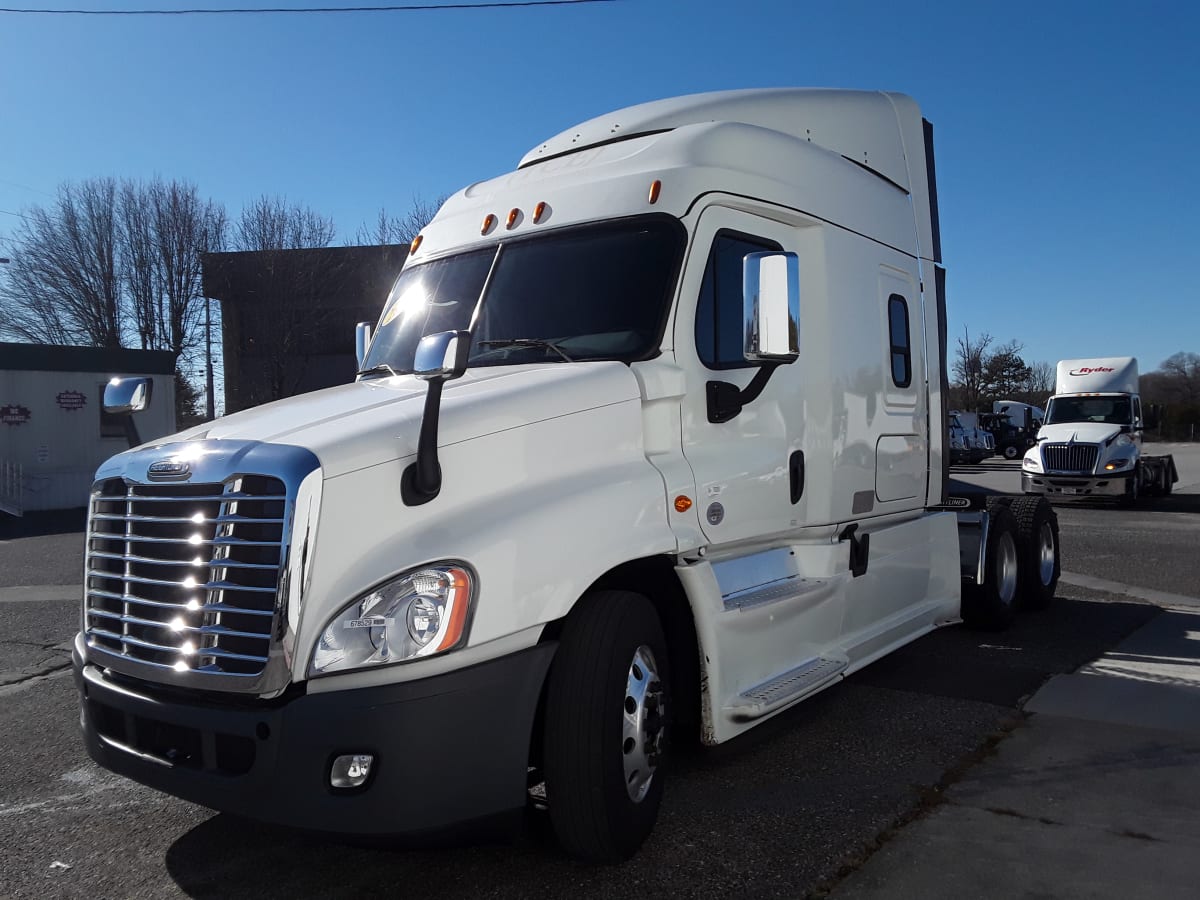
point(783, 689)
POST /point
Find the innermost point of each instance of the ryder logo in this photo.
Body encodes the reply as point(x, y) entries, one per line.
point(1091, 371)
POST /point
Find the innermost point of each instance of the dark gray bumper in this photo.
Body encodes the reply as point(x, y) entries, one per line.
point(450, 750)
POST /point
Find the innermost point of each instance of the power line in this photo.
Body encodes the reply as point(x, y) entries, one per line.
point(408, 7)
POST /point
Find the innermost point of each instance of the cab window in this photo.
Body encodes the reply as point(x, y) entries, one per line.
point(719, 339)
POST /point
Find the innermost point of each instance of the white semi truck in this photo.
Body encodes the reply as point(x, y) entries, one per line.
point(1090, 444)
point(648, 445)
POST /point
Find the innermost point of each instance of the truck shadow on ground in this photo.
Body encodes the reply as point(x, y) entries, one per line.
point(776, 813)
point(1172, 503)
point(40, 524)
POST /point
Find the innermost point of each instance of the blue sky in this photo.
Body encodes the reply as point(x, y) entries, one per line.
point(1070, 199)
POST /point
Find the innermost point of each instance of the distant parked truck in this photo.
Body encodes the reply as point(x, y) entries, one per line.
point(1014, 426)
point(978, 443)
point(1091, 442)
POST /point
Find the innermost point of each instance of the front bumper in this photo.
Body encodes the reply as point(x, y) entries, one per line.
point(1115, 485)
point(450, 751)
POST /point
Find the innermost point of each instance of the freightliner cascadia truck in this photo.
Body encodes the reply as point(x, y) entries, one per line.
point(648, 445)
point(1091, 442)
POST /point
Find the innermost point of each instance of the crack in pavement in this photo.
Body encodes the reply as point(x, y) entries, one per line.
point(27, 679)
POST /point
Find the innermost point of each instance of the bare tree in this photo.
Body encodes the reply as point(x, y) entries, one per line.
point(1182, 371)
point(400, 229)
point(969, 360)
point(63, 284)
point(1040, 382)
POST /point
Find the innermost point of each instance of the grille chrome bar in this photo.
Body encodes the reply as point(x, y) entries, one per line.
point(214, 542)
point(186, 520)
point(178, 629)
point(175, 651)
point(213, 563)
point(232, 497)
point(197, 586)
point(181, 607)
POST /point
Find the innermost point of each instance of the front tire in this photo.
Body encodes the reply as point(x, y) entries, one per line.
point(1040, 561)
point(1010, 451)
point(1134, 492)
point(605, 737)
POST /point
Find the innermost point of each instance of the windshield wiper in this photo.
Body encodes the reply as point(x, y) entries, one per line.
point(526, 342)
point(381, 369)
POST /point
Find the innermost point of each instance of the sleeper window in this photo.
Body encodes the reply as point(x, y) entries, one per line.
point(898, 338)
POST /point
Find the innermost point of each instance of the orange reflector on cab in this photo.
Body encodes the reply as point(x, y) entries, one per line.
point(682, 503)
point(655, 190)
point(538, 212)
point(488, 222)
point(416, 242)
point(513, 215)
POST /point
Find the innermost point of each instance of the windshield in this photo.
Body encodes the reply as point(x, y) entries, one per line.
point(1109, 410)
point(596, 292)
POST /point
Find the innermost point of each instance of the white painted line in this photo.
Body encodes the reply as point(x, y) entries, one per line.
point(1158, 598)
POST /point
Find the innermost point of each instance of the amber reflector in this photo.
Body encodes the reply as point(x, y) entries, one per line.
point(682, 503)
point(513, 215)
point(538, 212)
point(655, 190)
point(416, 242)
point(488, 221)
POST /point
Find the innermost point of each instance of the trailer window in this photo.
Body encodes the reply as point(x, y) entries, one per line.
point(899, 339)
point(719, 313)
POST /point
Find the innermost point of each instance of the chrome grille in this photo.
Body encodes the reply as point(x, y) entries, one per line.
point(1070, 457)
point(185, 576)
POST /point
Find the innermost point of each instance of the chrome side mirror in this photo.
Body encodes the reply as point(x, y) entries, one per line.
point(771, 304)
point(442, 356)
point(362, 341)
point(123, 396)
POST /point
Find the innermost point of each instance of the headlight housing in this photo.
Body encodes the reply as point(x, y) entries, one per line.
point(1114, 465)
point(1031, 462)
point(412, 616)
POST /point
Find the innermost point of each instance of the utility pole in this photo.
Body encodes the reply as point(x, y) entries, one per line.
point(210, 405)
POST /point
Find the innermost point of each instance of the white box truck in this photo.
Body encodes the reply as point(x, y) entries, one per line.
point(1090, 444)
point(648, 444)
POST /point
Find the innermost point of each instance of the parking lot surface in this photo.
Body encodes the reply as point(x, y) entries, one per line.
point(790, 810)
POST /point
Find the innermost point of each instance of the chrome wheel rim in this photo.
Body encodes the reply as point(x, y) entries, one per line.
point(643, 723)
point(1006, 568)
point(1046, 553)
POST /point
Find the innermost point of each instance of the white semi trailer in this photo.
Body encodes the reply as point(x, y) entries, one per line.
point(648, 445)
point(1090, 444)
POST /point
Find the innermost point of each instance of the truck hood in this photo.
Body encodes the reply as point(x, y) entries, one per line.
point(1077, 432)
point(369, 422)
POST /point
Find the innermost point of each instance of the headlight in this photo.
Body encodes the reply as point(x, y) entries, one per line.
point(418, 614)
point(1031, 463)
point(1113, 464)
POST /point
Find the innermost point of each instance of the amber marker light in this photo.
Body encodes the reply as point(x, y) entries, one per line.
point(655, 190)
point(416, 242)
point(513, 215)
point(538, 212)
point(461, 593)
point(683, 503)
point(489, 222)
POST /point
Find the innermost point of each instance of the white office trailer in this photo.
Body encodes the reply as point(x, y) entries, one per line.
point(1090, 444)
point(54, 433)
point(648, 445)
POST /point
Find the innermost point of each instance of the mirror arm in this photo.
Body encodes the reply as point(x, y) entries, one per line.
point(725, 400)
point(422, 480)
point(131, 432)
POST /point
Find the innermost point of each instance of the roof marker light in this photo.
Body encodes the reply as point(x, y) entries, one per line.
point(416, 242)
point(489, 222)
point(655, 190)
point(514, 215)
point(538, 212)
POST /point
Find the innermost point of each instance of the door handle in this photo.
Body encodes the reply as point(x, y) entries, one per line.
point(796, 474)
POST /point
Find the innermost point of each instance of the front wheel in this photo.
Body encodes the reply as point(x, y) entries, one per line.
point(1011, 451)
point(605, 738)
point(1133, 492)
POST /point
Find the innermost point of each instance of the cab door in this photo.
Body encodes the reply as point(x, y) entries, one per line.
point(745, 467)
